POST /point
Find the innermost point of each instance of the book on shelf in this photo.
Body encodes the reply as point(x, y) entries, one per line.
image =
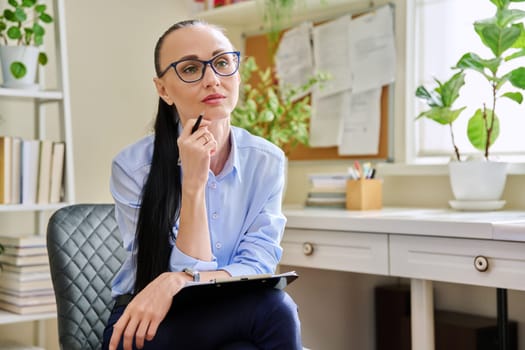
point(44, 171)
point(30, 158)
point(23, 241)
point(27, 309)
point(5, 169)
point(27, 293)
point(48, 298)
point(27, 276)
point(25, 251)
point(8, 345)
point(25, 286)
point(23, 260)
point(329, 180)
point(16, 169)
point(25, 269)
point(57, 171)
point(326, 202)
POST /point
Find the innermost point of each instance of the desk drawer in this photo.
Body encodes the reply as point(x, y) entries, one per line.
point(453, 260)
point(336, 250)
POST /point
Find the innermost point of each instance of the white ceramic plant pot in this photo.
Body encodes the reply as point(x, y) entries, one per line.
point(477, 180)
point(28, 55)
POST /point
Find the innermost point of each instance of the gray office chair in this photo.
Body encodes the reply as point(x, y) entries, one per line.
point(85, 252)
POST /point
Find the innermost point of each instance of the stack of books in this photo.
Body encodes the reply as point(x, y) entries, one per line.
point(31, 171)
point(327, 190)
point(25, 278)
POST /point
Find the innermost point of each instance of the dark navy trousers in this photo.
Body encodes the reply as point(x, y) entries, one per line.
point(265, 319)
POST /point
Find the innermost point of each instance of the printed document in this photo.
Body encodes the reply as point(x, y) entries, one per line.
point(294, 58)
point(326, 123)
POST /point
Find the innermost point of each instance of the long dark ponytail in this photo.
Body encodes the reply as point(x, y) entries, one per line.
point(161, 195)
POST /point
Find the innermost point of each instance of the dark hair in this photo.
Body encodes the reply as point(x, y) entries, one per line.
point(161, 195)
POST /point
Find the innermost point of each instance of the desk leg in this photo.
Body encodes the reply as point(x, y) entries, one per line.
point(422, 314)
point(503, 320)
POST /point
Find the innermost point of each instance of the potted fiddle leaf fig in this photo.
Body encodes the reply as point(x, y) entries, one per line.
point(21, 33)
point(504, 35)
point(267, 111)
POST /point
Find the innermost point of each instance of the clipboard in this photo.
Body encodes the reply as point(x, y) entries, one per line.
point(219, 288)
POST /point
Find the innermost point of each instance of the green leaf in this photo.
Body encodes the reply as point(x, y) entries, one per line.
point(500, 3)
point(499, 39)
point(10, 15)
point(42, 58)
point(40, 8)
point(266, 116)
point(516, 54)
point(38, 29)
point(509, 16)
point(515, 96)
point(20, 15)
point(18, 69)
point(520, 42)
point(14, 33)
point(44, 17)
point(471, 61)
point(441, 115)
point(450, 89)
point(38, 40)
point(517, 77)
point(13, 3)
point(28, 3)
point(3, 26)
point(477, 129)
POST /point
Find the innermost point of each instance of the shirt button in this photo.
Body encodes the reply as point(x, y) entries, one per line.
point(214, 215)
point(213, 185)
point(218, 245)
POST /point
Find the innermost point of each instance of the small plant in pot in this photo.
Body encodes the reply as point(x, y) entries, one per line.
point(21, 34)
point(504, 35)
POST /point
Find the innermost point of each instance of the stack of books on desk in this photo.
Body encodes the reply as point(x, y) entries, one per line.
point(327, 190)
point(25, 278)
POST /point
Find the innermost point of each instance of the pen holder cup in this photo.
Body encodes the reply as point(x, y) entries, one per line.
point(364, 194)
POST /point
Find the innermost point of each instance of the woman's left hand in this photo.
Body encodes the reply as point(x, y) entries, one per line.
point(145, 312)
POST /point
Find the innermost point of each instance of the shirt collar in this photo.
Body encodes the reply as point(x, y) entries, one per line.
point(232, 163)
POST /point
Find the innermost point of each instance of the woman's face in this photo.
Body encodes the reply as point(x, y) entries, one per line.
point(213, 96)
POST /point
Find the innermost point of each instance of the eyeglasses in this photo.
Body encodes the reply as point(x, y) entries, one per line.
point(192, 70)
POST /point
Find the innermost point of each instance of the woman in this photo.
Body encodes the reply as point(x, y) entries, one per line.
point(202, 203)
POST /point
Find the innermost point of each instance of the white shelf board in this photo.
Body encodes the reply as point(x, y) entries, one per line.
point(38, 94)
point(248, 13)
point(8, 317)
point(31, 207)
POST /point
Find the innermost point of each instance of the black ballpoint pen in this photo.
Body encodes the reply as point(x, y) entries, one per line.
point(197, 123)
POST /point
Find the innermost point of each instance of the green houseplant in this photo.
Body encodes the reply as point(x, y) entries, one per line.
point(21, 33)
point(504, 35)
point(266, 111)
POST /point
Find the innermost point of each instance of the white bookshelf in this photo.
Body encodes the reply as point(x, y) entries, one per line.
point(40, 98)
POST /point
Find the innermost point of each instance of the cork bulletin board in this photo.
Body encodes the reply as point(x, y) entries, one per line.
point(257, 46)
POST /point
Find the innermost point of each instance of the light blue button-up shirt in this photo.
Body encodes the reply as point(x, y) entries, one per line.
point(243, 203)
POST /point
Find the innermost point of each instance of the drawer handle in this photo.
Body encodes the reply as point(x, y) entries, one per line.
point(481, 263)
point(308, 248)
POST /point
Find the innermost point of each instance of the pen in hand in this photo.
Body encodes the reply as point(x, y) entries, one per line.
point(197, 124)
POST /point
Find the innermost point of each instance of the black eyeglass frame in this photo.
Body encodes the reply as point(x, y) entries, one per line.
point(205, 63)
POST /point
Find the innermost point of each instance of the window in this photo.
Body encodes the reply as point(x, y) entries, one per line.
point(443, 33)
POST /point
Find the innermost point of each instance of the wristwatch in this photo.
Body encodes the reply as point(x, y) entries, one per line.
point(193, 273)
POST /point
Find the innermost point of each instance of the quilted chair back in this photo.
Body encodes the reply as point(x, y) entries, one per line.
point(85, 252)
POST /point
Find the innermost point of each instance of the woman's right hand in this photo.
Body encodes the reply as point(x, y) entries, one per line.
point(195, 151)
point(145, 312)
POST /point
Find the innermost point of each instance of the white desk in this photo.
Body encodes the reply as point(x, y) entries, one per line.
point(425, 245)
